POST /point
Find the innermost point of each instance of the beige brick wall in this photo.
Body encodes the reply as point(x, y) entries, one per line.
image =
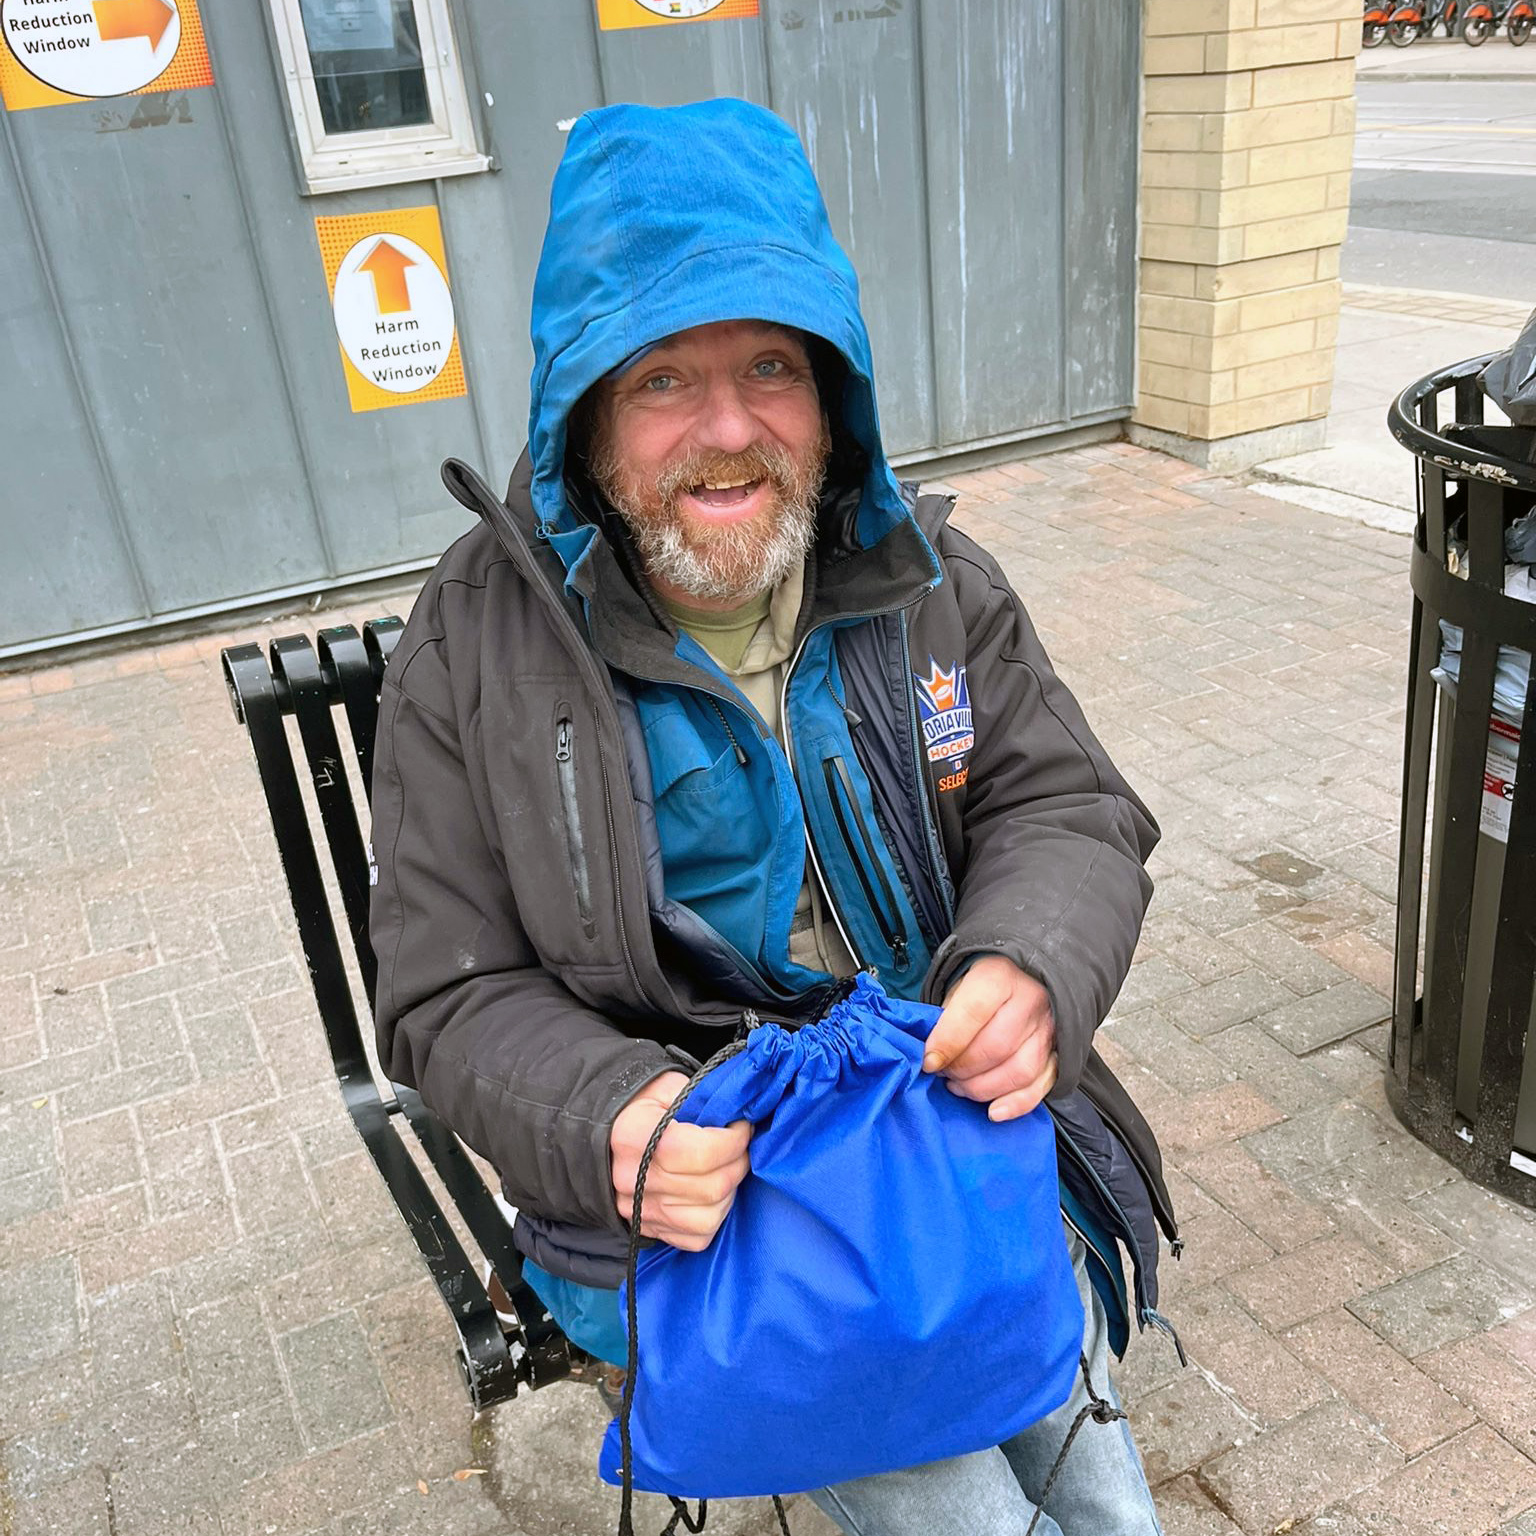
point(1247, 143)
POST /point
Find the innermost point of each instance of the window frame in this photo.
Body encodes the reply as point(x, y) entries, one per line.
point(447, 145)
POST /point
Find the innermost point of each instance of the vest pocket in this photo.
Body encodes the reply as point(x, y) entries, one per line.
point(716, 839)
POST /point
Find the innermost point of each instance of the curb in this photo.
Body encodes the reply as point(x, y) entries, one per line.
point(1443, 77)
point(1385, 515)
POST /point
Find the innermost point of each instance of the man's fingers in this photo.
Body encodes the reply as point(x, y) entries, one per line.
point(678, 1187)
point(998, 1041)
point(684, 1224)
point(1016, 1101)
point(998, 1074)
point(1014, 1105)
point(1034, 1064)
point(701, 1149)
point(969, 1008)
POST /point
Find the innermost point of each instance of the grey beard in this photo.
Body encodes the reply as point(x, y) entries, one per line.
point(736, 562)
point(733, 561)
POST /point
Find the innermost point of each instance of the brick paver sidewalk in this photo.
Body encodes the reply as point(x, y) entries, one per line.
point(212, 1321)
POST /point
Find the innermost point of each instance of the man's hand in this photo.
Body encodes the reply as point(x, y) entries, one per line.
point(995, 1040)
point(693, 1176)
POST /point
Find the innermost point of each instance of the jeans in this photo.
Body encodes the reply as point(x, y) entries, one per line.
point(1101, 1489)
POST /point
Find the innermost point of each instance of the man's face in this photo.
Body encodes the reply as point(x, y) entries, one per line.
point(712, 449)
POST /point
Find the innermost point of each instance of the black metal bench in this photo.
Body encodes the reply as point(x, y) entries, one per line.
point(343, 670)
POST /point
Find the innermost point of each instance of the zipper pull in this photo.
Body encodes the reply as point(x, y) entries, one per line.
point(741, 756)
point(563, 742)
point(899, 952)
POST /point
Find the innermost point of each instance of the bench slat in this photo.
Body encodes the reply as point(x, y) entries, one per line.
point(294, 661)
point(345, 670)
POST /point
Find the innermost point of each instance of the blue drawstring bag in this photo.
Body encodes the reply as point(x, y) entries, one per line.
point(892, 1285)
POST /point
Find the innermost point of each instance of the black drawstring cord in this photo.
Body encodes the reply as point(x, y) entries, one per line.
point(1101, 1411)
point(632, 1318)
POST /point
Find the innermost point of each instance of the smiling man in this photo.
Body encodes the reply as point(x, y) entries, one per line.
point(712, 448)
point(709, 714)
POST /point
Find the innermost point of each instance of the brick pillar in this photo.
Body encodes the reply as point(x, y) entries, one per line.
point(1247, 141)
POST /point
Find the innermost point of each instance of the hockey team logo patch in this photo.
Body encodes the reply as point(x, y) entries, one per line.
point(944, 712)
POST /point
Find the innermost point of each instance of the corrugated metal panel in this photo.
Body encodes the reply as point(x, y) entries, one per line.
point(147, 239)
point(373, 492)
point(849, 82)
point(992, 80)
point(186, 441)
point(65, 564)
point(1102, 108)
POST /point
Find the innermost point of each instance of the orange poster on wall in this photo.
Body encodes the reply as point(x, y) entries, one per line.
point(388, 277)
point(53, 52)
point(614, 15)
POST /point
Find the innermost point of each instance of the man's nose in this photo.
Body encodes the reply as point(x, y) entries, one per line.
point(725, 422)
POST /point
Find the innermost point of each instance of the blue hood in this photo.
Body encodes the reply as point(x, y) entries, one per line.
point(663, 218)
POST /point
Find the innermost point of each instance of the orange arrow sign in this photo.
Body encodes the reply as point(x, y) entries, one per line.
point(117, 19)
point(386, 265)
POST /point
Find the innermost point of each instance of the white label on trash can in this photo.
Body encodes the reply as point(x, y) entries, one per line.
point(1499, 779)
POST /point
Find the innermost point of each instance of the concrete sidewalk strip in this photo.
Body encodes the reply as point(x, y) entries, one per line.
point(1389, 338)
point(212, 1320)
point(1439, 59)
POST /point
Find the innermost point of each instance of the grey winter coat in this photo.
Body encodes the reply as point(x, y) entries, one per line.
point(522, 988)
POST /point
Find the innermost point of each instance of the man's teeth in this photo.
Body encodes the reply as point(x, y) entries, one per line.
point(724, 485)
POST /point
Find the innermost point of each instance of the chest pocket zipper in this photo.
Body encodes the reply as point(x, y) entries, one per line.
point(866, 862)
point(575, 839)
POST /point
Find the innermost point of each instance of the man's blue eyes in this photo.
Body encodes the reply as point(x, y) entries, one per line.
point(768, 368)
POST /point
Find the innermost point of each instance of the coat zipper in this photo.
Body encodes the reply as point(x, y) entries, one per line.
point(1127, 1233)
point(810, 842)
point(1162, 1207)
point(937, 864)
point(736, 747)
point(499, 520)
point(892, 931)
point(575, 840)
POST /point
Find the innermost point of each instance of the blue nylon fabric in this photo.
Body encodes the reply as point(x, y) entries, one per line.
point(732, 834)
point(891, 1287)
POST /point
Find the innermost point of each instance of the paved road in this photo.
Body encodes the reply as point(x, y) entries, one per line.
point(1444, 192)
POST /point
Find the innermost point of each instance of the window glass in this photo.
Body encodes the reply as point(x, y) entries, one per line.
point(367, 64)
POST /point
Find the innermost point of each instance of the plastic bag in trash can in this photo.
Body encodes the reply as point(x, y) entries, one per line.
point(1510, 379)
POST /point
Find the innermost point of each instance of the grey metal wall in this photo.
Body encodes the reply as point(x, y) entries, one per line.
point(176, 435)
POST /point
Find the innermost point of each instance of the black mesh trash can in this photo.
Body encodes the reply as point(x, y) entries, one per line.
point(1463, 1058)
